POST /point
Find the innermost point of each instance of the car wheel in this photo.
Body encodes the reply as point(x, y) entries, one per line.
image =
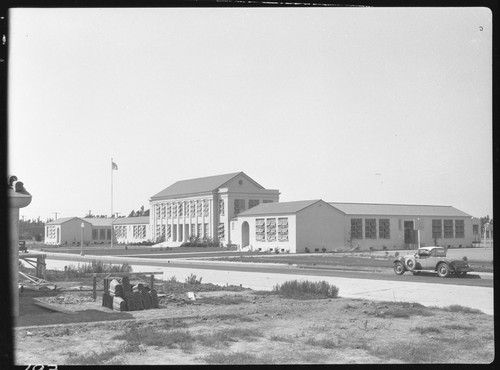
point(443, 270)
point(410, 263)
point(399, 269)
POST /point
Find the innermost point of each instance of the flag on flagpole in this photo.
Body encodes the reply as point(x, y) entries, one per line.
point(114, 166)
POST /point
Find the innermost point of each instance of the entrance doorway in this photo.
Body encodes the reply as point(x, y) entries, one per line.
point(245, 234)
point(410, 233)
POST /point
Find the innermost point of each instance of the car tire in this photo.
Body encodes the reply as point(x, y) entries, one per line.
point(443, 270)
point(410, 263)
point(399, 268)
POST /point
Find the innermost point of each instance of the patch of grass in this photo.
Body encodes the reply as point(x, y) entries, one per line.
point(244, 333)
point(157, 337)
point(427, 330)
point(217, 339)
point(464, 309)
point(324, 343)
point(306, 289)
point(281, 338)
point(92, 358)
point(459, 327)
point(408, 352)
point(236, 358)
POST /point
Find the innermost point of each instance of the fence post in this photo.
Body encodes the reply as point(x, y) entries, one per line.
point(152, 281)
point(94, 288)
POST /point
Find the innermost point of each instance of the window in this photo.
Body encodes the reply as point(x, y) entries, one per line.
point(253, 203)
point(121, 232)
point(169, 210)
point(221, 231)
point(459, 229)
point(283, 229)
point(160, 231)
point(94, 234)
point(102, 234)
point(157, 210)
point(260, 230)
point(384, 228)
point(51, 232)
point(475, 229)
point(239, 206)
point(198, 230)
point(205, 208)
point(139, 231)
point(193, 229)
point(199, 208)
point(192, 209)
point(448, 229)
point(437, 229)
point(174, 210)
point(370, 228)
point(356, 228)
point(180, 208)
point(108, 234)
point(206, 234)
point(169, 231)
point(271, 229)
point(163, 210)
point(221, 207)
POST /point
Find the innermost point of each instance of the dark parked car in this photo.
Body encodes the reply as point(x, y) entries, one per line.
point(22, 246)
point(431, 259)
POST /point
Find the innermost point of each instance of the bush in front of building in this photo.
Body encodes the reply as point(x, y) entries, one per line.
point(195, 241)
point(306, 289)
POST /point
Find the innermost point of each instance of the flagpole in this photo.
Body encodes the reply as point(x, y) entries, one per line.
point(111, 202)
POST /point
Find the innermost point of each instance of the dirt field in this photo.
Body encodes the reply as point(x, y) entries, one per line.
point(247, 327)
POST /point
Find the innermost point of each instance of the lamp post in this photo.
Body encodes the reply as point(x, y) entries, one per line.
point(81, 238)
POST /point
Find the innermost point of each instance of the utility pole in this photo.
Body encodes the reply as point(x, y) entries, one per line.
point(55, 213)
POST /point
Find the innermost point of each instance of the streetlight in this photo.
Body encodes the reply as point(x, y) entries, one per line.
point(81, 239)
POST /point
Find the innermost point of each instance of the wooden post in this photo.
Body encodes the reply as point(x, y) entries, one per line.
point(152, 282)
point(94, 288)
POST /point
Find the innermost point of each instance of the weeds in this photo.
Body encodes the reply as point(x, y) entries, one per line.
point(192, 280)
point(306, 290)
point(92, 358)
point(459, 327)
point(235, 358)
point(464, 309)
point(281, 338)
point(428, 329)
point(324, 343)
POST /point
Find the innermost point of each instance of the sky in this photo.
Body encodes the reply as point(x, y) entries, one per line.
point(362, 105)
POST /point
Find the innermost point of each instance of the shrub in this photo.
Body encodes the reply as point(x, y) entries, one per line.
point(307, 250)
point(306, 289)
point(192, 280)
point(459, 308)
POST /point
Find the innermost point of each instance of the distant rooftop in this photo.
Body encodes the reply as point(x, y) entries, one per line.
point(131, 220)
point(278, 208)
point(398, 209)
point(198, 185)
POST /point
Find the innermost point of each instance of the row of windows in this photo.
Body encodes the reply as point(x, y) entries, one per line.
point(198, 208)
point(101, 234)
point(370, 230)
point(166, 230)
point(449, 228)
point(265, 229)
point(193, 208)
point(438, 226)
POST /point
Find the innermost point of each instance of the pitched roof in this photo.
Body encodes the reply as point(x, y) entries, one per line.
point(96, 221)
point(131, 220)
point(398, 209)
point(198, 185)
point(62, 220)
point(278, 208)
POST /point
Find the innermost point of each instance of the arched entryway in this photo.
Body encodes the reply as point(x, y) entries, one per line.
point(245, 234)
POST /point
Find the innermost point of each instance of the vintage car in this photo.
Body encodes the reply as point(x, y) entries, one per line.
point(431, 259)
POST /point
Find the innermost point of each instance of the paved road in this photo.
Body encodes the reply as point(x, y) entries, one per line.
point(428, 291)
